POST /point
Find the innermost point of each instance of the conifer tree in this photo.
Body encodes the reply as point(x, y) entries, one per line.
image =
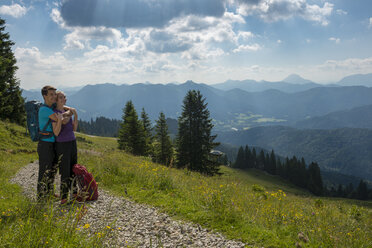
point(239, 163)
point(131, 134)
point(272, 163)
point(11, 101)
point(194, 140)
point(254, 158)
point(315, 183)
point(267, 163)
point(163, 146)
point(362, 191)
point(247, 158)
point(147, 129)
point(261, 160)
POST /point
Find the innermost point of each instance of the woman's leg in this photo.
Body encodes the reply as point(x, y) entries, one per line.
point(73, 161)
point(64, 153)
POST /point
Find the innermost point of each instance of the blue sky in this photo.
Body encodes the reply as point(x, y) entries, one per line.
point(78, 42)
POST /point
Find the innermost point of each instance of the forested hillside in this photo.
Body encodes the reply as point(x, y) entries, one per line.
point(343, 150)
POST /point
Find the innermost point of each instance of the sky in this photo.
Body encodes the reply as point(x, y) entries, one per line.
point(77, 42)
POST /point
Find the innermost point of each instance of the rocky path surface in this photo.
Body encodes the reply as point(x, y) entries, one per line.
point(133, 224)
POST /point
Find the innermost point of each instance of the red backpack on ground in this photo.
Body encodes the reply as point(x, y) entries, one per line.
point(88, 186)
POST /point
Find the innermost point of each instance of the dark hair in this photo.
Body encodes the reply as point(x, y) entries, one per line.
point(44, 90)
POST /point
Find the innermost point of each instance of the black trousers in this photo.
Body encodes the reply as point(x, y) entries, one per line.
point(47, 168)
point(67, 157)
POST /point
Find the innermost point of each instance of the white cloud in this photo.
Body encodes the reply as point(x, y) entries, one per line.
point(275, 10)
point(79, 37)
point(35, 60)
point(279, 41)
point(249, 48)
point(351, 65)
point(341, 12)
point(370, 22)
point(336, 40)
point(244, 35)
point(14, 10)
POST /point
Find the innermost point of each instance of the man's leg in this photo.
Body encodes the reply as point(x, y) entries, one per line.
point(46, 157)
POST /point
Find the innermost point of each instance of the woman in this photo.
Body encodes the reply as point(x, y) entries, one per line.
point(66, 149)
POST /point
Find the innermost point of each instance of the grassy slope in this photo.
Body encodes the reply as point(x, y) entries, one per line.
point(259, 209)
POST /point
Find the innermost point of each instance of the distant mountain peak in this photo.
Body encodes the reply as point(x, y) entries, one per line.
point(190, 82)
point(357, 79)
point(296, 79)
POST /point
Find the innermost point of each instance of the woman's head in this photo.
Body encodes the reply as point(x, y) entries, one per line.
point(61, 98)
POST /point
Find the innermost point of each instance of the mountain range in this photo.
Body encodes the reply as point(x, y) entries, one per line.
point(235, 108)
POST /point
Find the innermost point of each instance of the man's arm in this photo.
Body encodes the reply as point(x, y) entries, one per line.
point(57, 125)
point(53, 117)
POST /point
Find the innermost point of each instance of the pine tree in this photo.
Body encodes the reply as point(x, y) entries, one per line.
point(163, 145)
point(254, 158)
point(11, 101)
point(362, 191)
point(247, 158)
point(194, 141)
point(147, 129)
point(261, 160)
point(131, 134)
point(272, 163)
point(315, 183)
point(239, 163)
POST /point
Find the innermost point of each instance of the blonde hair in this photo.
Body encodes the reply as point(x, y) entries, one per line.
point(59, 92)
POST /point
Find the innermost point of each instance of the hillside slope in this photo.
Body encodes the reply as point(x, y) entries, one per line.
point(360, 117)
point(254, 207)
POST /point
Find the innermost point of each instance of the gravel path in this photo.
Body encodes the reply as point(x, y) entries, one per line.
point(133, 224)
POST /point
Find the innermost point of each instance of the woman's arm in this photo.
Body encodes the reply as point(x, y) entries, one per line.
point(57, 125)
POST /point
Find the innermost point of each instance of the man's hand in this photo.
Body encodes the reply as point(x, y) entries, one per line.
point(59, 117)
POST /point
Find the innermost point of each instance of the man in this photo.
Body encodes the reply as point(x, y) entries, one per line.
point(46, 147)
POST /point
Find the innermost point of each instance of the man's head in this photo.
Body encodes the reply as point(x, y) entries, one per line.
point(49, 94)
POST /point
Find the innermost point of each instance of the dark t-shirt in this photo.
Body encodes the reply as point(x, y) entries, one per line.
point(67, 130)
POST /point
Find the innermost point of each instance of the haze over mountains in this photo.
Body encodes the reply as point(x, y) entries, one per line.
point(267, 103)
point(329, 124)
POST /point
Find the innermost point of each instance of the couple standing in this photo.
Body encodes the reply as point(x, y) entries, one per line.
point(58, 148)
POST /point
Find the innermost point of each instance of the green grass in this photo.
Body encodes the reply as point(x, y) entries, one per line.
point(24, 223)
point(257, 208)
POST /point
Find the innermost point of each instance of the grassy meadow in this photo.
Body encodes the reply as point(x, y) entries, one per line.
point(259, 209)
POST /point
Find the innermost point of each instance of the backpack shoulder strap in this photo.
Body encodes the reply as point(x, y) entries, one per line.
point(46, 125)
point(49, 120)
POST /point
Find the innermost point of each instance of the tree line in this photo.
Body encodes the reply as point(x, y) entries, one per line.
point(294, 170)
point(193, 144)
point(101, 126)
point(361, 192)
